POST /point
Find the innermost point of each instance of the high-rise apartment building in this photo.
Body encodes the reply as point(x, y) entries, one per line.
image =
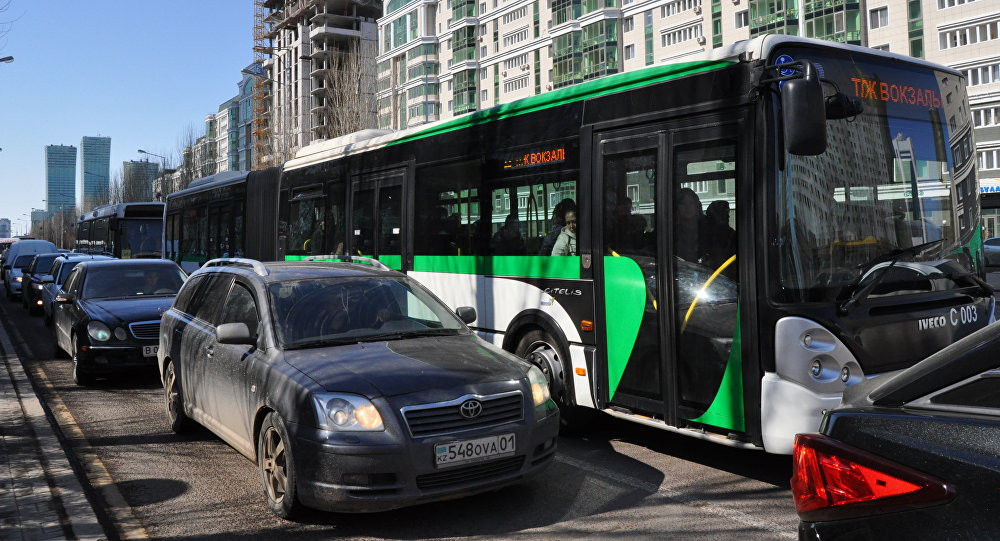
point(95, 171)
point(137, 180)
point(4, 228)
point(440, 60)
point(303, 44)
point(60, 178)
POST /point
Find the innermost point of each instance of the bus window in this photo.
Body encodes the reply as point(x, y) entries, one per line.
point(189, 236)
point(390, 220)
point(363, 237)
point(529, 219)
point(306, 227)
point(336, 217)
point(448, 211)
point(99, 241)
point(237, 241)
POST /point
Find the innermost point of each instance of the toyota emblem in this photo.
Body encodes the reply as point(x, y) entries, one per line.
point(470, 409)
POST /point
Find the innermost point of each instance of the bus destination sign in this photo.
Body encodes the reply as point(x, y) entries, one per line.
point(532, 159)
point(896, 93)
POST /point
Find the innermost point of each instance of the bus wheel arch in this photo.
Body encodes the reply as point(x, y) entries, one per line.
point(534, 337)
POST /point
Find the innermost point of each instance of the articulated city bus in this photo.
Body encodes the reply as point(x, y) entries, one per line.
point(123, 230)
point(715, 247)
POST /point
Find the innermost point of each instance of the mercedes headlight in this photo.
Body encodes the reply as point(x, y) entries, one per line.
point(98, 331)
point(346, 413)
point(539, 386)
point(18, 279)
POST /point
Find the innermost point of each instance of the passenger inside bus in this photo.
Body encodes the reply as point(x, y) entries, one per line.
point(508, 239)
point(558, 223)
point(566, 243)
point(690, 239)
point(721, 237)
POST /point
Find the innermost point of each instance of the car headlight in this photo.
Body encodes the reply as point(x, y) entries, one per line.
point(18, 279)
point(98, 331)
point(38, 287)
point(539, 386)
point(120, 333)
point(346, 413)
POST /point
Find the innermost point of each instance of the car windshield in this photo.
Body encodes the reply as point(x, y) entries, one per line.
point(107, 282)
point(332, 310)
point(64, 271)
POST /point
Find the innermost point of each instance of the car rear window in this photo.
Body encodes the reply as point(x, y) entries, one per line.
point(132, 282)
point(23, 261)
point(43, 264)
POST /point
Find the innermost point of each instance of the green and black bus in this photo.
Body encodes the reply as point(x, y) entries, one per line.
point(123, 230)
point(716, 247)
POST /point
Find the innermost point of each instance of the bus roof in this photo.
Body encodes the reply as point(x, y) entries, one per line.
point(138, 209)
point(211, 181)
point(742, 51)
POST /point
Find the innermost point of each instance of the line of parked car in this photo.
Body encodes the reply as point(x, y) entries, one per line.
point(350, 385)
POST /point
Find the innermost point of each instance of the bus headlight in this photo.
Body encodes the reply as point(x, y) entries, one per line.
point(539, 386)
point(346, 413)
point(98, 331)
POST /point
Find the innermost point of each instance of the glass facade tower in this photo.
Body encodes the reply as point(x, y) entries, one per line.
point(95, 169)
point(60, 178)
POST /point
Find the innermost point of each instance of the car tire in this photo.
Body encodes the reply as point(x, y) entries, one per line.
point(174, 401)
point(277, 467)
point(80, 374)
point(542, 350)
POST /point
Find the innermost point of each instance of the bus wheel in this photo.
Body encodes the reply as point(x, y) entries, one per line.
point(542, 350)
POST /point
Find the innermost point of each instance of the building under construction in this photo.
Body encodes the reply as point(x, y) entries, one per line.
point(302, 49)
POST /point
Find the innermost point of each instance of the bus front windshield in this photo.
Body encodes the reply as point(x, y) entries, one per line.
point(141, 238)
point(896, 183)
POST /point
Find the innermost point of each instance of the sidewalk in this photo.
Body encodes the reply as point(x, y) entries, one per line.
point(40, 496)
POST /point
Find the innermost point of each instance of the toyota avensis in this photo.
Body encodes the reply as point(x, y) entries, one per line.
point(350, 385)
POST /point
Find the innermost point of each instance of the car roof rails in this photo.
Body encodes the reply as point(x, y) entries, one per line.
point(346, 258)
point(257, 267)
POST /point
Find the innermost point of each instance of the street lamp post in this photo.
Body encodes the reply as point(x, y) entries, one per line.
point(7, 59)
point(163, 171)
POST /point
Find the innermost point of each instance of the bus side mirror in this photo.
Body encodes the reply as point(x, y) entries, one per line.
point(804, 114)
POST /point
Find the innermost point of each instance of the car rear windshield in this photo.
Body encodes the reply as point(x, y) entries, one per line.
point(328, 311)
point(108, 282)
point(43, 264)
point(23, 261)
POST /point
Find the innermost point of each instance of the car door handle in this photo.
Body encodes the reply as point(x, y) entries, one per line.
point(209, 352)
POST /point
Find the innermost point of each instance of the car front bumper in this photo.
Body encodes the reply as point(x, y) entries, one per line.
point(363, 478)
point(115, 359)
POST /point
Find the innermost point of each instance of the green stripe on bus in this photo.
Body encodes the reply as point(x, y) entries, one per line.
point(527, 266)
point(295, 257)
point(569, 94)
point(394, 262)
point(624, 306)
point(727, 409)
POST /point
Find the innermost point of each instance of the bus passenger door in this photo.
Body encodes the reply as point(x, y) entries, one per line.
point(377, 213)
point(666, 228)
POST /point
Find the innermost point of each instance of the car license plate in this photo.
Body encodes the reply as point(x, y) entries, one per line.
point(464, 451)
point(149, 351)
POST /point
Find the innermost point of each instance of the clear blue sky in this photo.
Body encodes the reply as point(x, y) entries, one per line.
point(140, 72)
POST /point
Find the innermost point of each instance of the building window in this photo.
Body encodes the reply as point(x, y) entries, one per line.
point(989, 159)
point(681, 35)
point(884, 47)
point(483, 95)
point(742, 18)
point(516, 36)
point(945, 4)
point(515, 84)
point(517, 61)
point(983, 75)
point(969, 35)
point(515, 15)
point(629, 52)
point(878, 17)
point(982, 118)
point(628, 24)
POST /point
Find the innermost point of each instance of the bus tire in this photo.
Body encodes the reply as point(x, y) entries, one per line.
point(542, 350)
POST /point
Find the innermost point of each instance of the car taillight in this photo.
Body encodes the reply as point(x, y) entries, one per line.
point(832, 481)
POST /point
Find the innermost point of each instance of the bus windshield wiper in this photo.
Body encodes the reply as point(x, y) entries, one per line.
point(980, 283)
point(892, 257)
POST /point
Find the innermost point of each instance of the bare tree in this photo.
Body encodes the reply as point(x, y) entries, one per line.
point(188, 169)
point(349, 91)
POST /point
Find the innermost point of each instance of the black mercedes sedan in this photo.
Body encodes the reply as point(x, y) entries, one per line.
point(107, 317)
point(910, 456)
point(350, 385)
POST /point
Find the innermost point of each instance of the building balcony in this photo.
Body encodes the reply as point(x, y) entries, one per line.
point(320, 32)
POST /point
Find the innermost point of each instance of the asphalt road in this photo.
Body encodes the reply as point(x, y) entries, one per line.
point(615, 480)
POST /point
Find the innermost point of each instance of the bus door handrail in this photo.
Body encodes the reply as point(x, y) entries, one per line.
point(258, 267)
point(349, 259)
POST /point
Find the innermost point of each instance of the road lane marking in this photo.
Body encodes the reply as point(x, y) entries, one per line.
point(118, 509)
point(680, 497)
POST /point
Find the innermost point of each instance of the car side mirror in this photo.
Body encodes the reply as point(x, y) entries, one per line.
point(804, 114)
point(234, 333)
point(466, 313)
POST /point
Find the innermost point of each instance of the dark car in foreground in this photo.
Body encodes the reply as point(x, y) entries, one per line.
point(107, 317)
point(351, 386)
point(911, 456)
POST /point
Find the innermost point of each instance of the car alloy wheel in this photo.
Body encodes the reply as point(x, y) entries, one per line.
point(277, 467)
point(179, 421)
